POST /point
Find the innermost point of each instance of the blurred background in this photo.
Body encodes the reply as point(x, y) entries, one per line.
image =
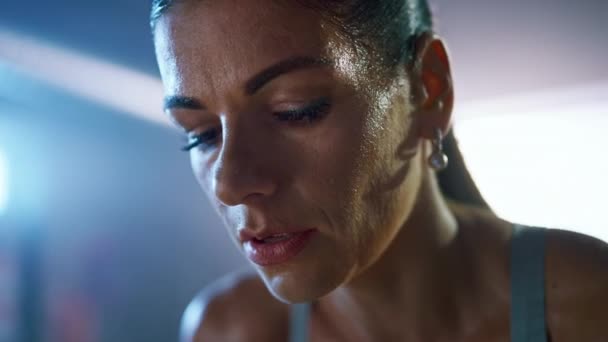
point(104, 234)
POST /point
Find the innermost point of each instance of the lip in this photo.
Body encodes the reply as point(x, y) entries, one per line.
point(269, 253)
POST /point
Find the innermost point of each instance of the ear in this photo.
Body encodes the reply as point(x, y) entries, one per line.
point(431, 85)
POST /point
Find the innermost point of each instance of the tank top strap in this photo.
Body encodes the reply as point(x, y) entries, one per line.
point(299, 316)
point(528, 285)
point(528, 323)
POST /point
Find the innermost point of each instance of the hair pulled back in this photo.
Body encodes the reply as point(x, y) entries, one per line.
point(388, 30)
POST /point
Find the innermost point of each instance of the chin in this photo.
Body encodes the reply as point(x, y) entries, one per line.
point(291, 286)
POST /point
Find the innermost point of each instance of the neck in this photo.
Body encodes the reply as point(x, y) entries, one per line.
point(418, 281)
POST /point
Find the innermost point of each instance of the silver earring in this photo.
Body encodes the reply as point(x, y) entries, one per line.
point(438, 160)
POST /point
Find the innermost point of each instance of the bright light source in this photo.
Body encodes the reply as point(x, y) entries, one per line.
point(540, 159)
point(114, 86)
point(3, 183)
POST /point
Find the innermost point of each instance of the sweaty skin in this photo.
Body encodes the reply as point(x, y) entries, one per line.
point(392, 259)
point(336, 175)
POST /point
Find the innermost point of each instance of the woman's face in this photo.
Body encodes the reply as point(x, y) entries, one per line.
point(296, 132)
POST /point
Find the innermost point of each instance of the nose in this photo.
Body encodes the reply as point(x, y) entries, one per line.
point(244, 170)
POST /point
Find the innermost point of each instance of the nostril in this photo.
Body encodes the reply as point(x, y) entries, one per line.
point(243, 174)
point(237, 188)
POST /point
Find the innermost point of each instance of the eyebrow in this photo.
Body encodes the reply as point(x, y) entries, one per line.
point(280, 68)
point(184, 102)
point(256, 82)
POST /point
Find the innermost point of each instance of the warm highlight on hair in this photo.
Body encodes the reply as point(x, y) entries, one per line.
point(388, 30)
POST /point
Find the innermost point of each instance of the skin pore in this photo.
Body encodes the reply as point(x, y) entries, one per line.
point(327, 140)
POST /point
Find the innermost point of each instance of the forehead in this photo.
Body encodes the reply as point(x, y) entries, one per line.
point(223, 42)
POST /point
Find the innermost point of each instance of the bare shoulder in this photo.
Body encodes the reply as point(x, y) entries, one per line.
point(577, 286)
point(237, 307)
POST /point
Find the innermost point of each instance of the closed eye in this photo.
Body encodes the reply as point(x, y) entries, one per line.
point(206, 139)
point(315, 111)
point(307, 115)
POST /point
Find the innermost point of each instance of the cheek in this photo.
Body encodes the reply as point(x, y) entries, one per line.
point(202, 172)
point(197, 164)
point(339, 165)
point(360, 177)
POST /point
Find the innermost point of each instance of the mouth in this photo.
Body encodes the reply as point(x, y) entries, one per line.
point(269, 235)
point(274, 238)
point(273, 249)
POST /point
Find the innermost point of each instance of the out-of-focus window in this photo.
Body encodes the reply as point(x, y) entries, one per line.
point(539, 159)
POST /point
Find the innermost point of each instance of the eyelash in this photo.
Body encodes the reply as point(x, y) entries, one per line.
point(201, 139)
point(311, 113)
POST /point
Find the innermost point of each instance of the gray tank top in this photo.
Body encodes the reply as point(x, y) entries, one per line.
point(527, 290)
